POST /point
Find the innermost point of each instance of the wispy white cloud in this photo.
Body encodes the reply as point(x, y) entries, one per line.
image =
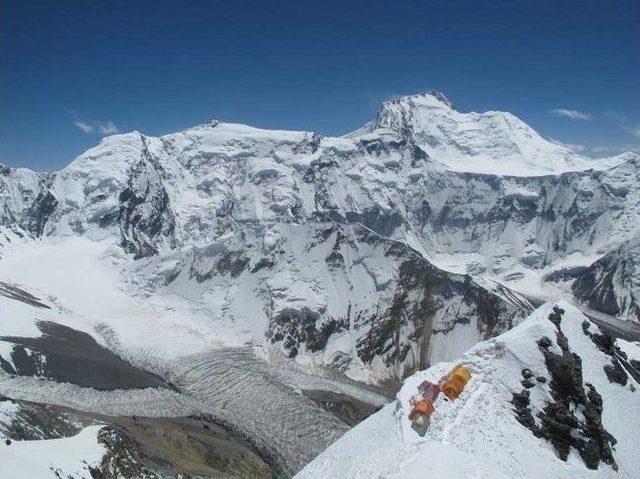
point(108, 128)
point(571, 114)
point(84, 126)
point(88, 127)
point(635, 130)
point(615, 116)
point(615, 149)
point(571, 146)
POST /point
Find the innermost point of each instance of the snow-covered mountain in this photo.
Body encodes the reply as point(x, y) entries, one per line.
point(544, 400)
point(612, 284)
point(348, 252)
point(227, 265)
point(493, 142)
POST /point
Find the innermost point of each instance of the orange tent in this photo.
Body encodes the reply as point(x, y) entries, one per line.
point(424, 407)
point(453, 383)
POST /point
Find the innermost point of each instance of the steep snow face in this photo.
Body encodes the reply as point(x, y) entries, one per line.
point(612, 284)
point(187, 187)
point(25, 203)
point(331, 294)
point(484, 433)
point(324, 294)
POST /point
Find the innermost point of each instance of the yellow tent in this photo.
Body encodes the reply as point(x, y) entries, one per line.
point(453, 383)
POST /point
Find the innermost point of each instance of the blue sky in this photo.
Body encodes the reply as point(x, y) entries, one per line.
point(73, 71)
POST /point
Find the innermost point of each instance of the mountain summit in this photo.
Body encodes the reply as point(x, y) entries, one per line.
point(491, 142)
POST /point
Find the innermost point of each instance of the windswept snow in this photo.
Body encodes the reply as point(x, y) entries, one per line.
point(478, 193)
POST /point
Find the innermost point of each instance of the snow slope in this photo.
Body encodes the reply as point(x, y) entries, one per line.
point(301, 305)
point(211, 380)
point(68, 457)
point(478, 435)
point(195, 254)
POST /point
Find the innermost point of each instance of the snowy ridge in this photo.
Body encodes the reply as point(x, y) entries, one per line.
point(273, 268)
point(479, 434)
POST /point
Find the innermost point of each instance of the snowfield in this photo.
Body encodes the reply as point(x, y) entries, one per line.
point(68, 457)
point(507, 145)
point(217, 377)
point(478, 435)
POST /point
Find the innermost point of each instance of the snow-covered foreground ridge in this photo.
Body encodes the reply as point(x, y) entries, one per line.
point(375, 254)
point(550, 398)
point(71, 457)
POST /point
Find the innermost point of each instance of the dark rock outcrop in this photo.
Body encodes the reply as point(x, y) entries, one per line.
point(145, 217)
point(559, 423)
point(72, 356)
